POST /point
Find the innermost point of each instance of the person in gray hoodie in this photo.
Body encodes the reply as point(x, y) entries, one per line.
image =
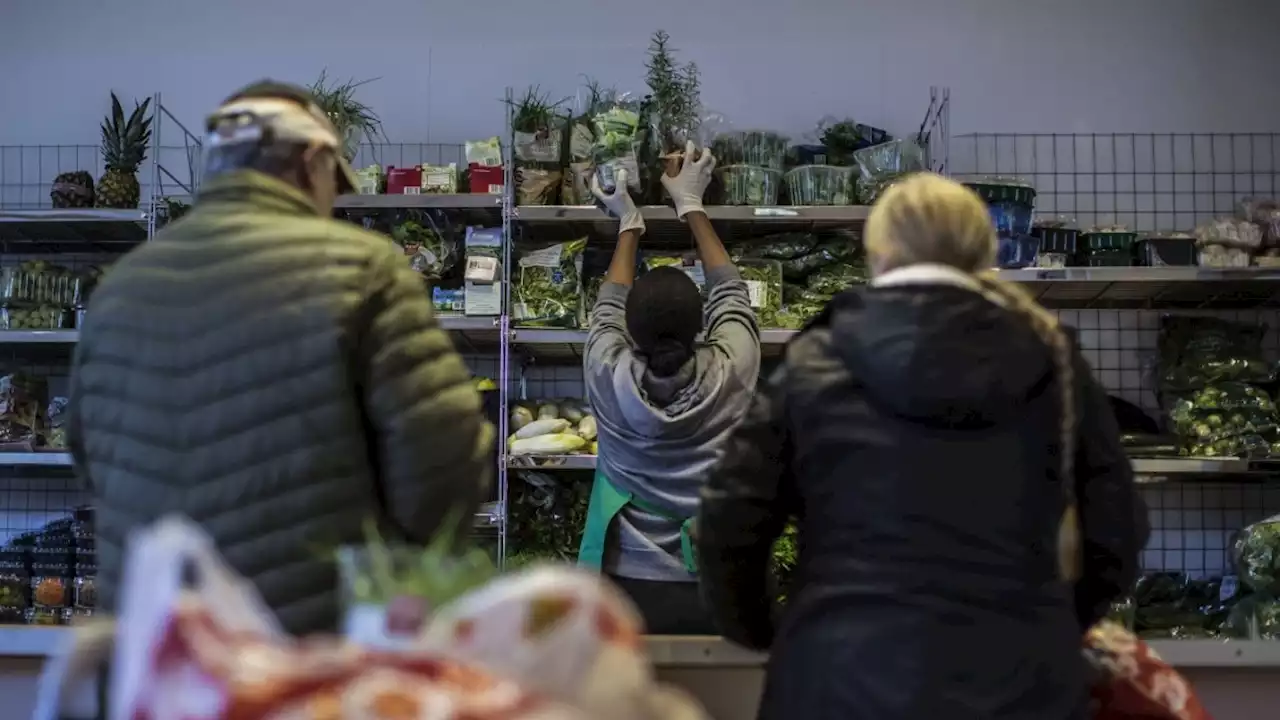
point(664, 402)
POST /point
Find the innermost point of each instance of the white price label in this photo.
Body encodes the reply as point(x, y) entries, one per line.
point(757, 292)
point(495, 189)
point(482, 269)
point(412, 190)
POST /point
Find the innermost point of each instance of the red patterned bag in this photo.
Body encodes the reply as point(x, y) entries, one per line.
point(1133, 682)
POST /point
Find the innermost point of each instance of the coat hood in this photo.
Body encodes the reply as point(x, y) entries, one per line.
point(933, 350)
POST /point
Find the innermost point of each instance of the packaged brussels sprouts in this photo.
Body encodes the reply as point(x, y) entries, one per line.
point(1256, 555)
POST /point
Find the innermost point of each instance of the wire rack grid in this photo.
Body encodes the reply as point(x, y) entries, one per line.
point(1145, 181)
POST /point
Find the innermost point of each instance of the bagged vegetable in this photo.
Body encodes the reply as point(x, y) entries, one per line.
point(799, 268)
point(615, 130)
point(836, 278)
point(687, 262)
point(22, 412)
point(537, 186)
point(546, 515)
point(784, 246)
point(1256, 556)
point(428, 250)
point(548, 292)
point(764, 288)
point(1196, 351)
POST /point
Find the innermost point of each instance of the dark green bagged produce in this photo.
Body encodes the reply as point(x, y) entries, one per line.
point(836, 278)
point(799, 268)
point(784, 246)
point(1197, 351)
point(546, 516)
point(1256, 556)
point(1223, 410)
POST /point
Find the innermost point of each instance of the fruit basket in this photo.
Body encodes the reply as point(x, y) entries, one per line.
point(820, 185)
point(750, 185)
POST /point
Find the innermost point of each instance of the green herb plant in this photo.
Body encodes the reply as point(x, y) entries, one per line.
point(535, 112)
point(354, 121)
point(840, 140)
point(673, 108)
point(440, 573)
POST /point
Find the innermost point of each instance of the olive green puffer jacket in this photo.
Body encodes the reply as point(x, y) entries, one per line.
point(279, 378)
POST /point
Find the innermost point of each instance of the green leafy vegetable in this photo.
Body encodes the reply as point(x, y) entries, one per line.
point(439, 573)
point(548, 290)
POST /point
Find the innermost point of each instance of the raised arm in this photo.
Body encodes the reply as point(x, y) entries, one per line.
point(741, 516)
point(1113, 516)
point(433, 445)
point(730, 322)
point(607, 333)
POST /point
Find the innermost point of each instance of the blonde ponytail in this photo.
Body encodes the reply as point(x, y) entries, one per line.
point(930, 219)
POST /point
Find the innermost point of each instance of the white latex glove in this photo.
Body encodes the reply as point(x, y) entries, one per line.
point(687, 188)
point(619, 203)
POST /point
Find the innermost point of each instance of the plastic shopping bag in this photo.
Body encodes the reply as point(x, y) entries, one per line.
point(195, 642)
point(1133, 682)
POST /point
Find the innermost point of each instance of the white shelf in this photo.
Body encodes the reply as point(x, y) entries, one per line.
point(719, 213)
point(710, 651)
point(476, 201)
point(38, 337)
point(553, 462)
point(557, 336)
point(35, 459)
point(678, 651)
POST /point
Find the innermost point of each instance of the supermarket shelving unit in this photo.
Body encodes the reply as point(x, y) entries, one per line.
point(1113, 308)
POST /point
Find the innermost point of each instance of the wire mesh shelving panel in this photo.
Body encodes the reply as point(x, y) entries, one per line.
point(27, 172)
point(1145, 181)
point(410, 154)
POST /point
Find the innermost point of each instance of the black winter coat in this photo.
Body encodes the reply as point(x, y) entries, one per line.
point(912, 432)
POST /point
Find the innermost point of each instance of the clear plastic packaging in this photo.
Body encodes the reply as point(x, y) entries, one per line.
point(764, 288)
point(1016, 251)
point(1231, 233)
point(13, 588)
point(1166, 249)
point(750, 184)
point(893, 158)
point(547, 290)
point(752, 147)
point(1256, 555)
point(41, 317)
point(820, 185)
point(615, 128)
point(1221, 256)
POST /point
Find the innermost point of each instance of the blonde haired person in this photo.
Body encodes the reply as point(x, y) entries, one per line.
point(965, 509)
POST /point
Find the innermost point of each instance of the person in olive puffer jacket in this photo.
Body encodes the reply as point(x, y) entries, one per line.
point(274, 374)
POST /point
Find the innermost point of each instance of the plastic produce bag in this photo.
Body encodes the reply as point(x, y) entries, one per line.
point(548, 644)
point(757, 148)
point(615, 130)
point(426, 245)
point(836, 278)
point(784, 246)
point(22, 412)
point(1196, 351)
point(764, 288)
point(547, 290)
point(1256, 555)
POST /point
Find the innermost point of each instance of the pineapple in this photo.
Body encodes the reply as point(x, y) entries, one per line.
point(124, 147)
point(72, 190)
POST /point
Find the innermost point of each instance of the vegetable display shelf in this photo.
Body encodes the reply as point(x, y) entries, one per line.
point(39, 337)
point(1147, 287)
point(663, 228)
point(474, 201)
point(710, 651)
point(1148, 469)
point(55, 228)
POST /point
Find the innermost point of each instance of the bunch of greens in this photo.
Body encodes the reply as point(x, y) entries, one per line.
point(764, 287)
point(428, 251)
point(548, 291)
point(535, 112)
point(786, 551)
point(354, 121)
point(546, 517)
point(441, 572)
point(841, 139)
point(674, 96)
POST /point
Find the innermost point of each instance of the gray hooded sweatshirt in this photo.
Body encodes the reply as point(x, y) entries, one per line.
point(659, 437)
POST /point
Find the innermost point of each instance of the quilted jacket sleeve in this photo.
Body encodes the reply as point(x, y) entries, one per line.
point(1113, 516)
point(743, 512)
point(433, 445)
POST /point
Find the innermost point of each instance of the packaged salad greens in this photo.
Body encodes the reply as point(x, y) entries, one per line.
point(427, 247)
point(836, 278)
point(753, 147)
point(750, 185)
point(785, 246)
point(820, 185)
point(615, 131)
point(547, 290)
point(764, 288)
point(1256, 555)
point(688, 262)
point(1196, 351)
